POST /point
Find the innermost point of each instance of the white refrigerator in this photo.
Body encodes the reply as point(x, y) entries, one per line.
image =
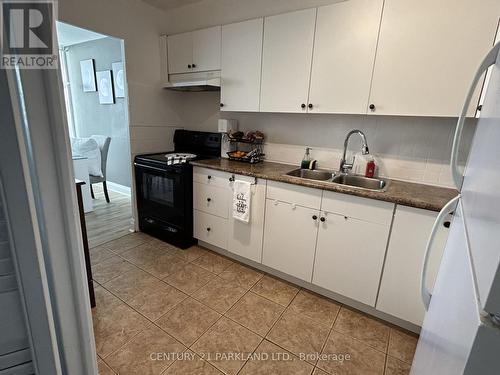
point(461, 329)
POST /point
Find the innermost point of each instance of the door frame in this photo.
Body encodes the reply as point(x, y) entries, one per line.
point(57, 299)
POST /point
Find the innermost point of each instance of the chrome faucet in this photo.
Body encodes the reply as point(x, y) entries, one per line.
point(344, 166)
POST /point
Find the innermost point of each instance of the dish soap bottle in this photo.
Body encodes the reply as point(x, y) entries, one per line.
point(370, 167)
point(307, 162)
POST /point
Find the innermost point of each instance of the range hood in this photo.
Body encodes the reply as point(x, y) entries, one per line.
point(194, 82)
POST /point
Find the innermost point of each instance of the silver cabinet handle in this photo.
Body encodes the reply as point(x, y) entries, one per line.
point(489, 60)
point(445, 211)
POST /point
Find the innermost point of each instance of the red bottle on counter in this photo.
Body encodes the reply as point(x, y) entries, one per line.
point(370, 169)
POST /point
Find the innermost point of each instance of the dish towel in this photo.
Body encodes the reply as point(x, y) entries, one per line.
point(242, 194)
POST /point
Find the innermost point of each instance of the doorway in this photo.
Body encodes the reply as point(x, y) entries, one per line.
point(95, 93)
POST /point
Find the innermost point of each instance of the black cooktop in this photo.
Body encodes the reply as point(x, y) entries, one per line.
point(204, 145)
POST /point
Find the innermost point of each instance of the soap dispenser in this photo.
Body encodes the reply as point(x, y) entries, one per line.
point(307, 162)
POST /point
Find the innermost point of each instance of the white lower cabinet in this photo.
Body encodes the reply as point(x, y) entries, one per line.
point(290, 238)
point(350, 256)
point(336, 241)
point(213, 219)
point(245, 239)
point(400, 287)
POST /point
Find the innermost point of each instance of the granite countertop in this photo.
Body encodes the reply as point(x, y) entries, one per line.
point(400, 192)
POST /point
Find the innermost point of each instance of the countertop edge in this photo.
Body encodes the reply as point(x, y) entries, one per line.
point(386, 196)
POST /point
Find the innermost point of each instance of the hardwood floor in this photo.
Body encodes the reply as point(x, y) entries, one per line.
point(108, 221)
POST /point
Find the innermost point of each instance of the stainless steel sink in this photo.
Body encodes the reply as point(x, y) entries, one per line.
point(317, 174)
point(360, 182)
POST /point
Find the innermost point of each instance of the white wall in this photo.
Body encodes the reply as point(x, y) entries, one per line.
point(153, 113)
point(90, 117)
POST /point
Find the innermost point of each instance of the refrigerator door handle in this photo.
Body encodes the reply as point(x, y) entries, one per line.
point(489, 60)
point(443, 214)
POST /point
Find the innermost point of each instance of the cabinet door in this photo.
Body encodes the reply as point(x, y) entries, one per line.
point(344, 53)
point(241, 65)
point(400, 288)
point(180, 53)
point(427, 54)
point(349, 257)
point(290, 239)
point(206, 49)
point(286, 61)
point(245, 239)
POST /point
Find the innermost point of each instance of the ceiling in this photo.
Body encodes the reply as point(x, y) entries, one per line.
point(170, 4)
point(68, 35)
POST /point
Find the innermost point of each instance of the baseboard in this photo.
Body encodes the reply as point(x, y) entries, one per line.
point(117, 188)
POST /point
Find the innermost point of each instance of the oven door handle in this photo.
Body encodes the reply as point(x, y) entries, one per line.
point(150, 167)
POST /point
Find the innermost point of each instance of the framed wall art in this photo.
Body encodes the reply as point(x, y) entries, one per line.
point(105, 87)
point(87, 68)
point(118, 79)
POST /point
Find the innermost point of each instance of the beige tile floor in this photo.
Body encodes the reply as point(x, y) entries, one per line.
point(162, 310)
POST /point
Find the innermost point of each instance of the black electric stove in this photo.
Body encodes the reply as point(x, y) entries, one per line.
point(164, 186)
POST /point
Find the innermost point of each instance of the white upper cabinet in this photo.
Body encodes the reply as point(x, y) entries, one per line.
point(382, 57)
point(206, 49)
point(241, 65)
point(344, 54)
point(195, 51)
point(286, 61)
point(180, 53)
point(427, 54)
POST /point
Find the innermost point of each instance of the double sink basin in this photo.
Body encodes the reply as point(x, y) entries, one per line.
point(376, 184)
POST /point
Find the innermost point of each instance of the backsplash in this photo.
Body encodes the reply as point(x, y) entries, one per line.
point(423, 171)
point(409, 148)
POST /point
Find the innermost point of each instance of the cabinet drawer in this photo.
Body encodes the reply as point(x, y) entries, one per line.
point(210, 228)
point(295, 194)
point(211, 177)
point(211, 199)
point(356, 207)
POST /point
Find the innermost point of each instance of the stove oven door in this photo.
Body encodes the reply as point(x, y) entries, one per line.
point(164, 200)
